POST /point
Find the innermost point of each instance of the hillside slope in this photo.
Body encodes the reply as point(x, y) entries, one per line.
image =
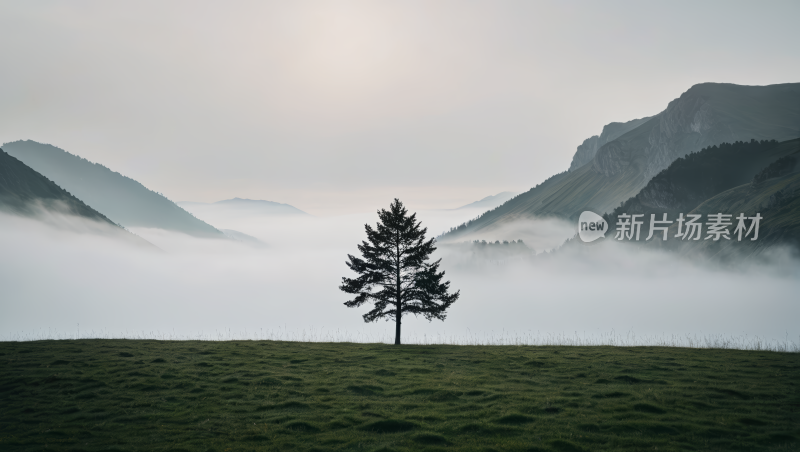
point(773, 194)
point(707, 114)
point(25, 192)
point(122, 199)
point(740, 178)
point(489, 202)
point(776, 200)
point(692, 180)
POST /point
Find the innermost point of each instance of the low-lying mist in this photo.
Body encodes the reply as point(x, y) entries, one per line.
point(60, 283)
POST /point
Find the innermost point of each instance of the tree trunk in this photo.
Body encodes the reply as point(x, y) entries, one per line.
point(397, 326)
point(399, 313)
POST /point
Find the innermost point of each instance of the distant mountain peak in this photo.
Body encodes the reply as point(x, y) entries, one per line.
point(490, 202)
point(242, 205)
point(249, 201)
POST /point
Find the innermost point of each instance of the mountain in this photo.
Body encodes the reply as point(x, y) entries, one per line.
point(588, 149)
point(707, 114)
point(490, 202)
point(122, 199)
point(239, 205)
point(731, 178)
point(24, 191)
point(776, 198)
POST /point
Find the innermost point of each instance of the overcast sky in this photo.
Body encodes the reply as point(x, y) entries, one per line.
point(341, 106)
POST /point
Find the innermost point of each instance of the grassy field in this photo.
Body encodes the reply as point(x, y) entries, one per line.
point(264, 395)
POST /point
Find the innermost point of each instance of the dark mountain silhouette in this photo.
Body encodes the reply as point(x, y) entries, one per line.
point(122, 199)
point(732, 178)
point(776, 199)
point(24, 191)
point(707, 114)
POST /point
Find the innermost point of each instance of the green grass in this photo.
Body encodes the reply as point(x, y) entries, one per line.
point(264, 395)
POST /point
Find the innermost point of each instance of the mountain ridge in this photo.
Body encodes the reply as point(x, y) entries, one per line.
point(255, 205)
point(122, 199)
point(588, 149)
point(21, 187)
point(489, 202)
point(707, 114)
point(26, 192)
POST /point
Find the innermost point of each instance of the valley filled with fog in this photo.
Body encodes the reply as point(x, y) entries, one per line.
point(73, 282)
point(112, 113)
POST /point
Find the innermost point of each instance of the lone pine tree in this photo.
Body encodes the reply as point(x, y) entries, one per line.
point(394, 273)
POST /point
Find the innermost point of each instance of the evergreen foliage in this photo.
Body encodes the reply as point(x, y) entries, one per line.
point(699, 176)
point(778, 168)
point(394, 273)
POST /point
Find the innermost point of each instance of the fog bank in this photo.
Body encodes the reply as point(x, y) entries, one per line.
point(60, 283)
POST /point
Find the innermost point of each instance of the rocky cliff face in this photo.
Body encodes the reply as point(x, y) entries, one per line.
point(612, 158)
point(685, 126)
point(707, 114)
point(586, 151)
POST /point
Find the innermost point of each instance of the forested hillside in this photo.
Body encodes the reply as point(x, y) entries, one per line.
point(733, 178)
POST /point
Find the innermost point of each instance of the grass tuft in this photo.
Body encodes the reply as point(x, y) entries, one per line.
point(431, 439)
point(515, 419)
point(300, 426)
point(647, 408)
point(389, 426)
point(365, 390)
point(565, 446)
point(751, 422)
point(611, 395)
